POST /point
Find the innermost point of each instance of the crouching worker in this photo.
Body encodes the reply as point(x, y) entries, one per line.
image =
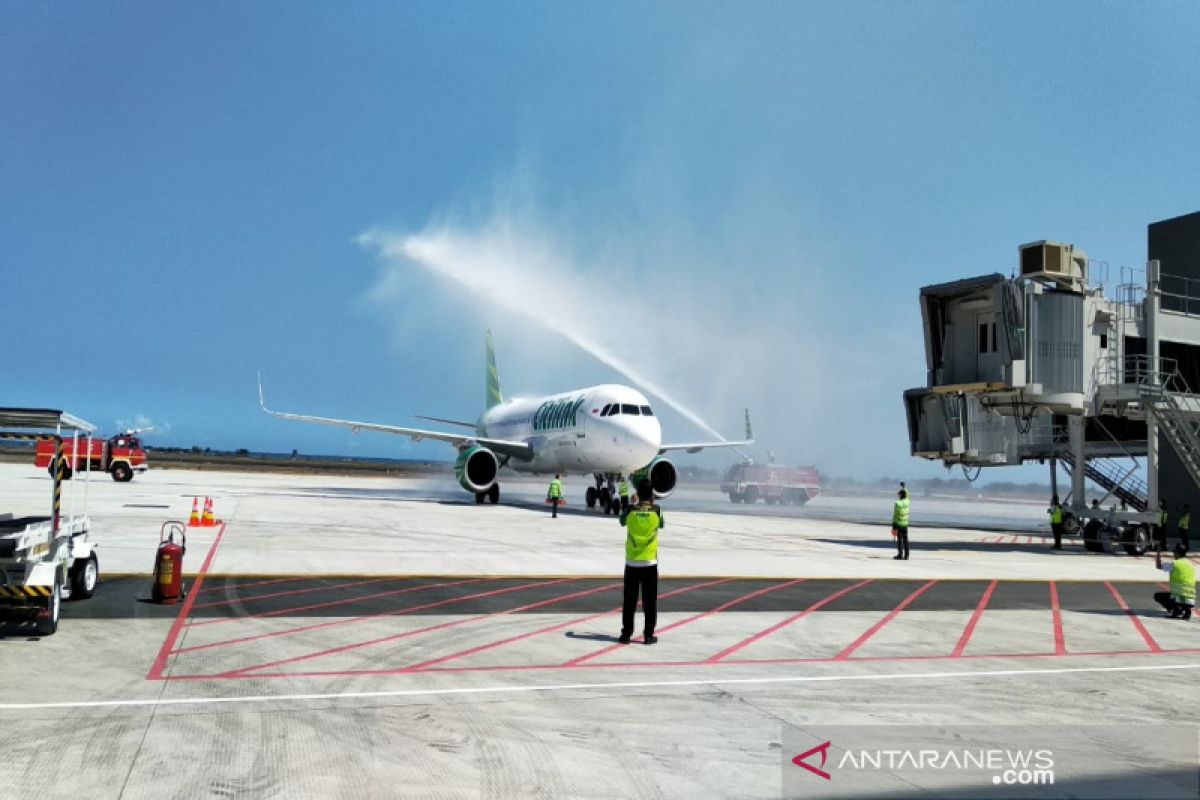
point(642, 523)
point(1180, 601)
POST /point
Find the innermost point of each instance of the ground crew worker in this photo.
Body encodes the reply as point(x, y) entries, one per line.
point(1185, 521)
point(1056, 521)
point(642, 523)
point(1160, 530)
point(1180, 601)
point(554, 495)
point(623, 492)
point(900, 524)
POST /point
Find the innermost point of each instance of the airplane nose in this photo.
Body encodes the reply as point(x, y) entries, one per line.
point(645, 438)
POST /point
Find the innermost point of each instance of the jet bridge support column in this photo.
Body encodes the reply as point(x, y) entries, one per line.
point(1075, 433)
point(1152, 305)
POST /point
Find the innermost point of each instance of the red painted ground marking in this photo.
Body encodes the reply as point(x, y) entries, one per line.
point(257, 583)
point(1137, 623)
point(728, 651)
point(874, 629)
point(160, 661)
point(1060, 647)
point(406, 634)
point(1029, 539)
point(970, 629)
point(1016, 539)
point(657, 664)
point(291, 592)
point(398, 612)
point(332, 603)
point(501, 642)
point(681, 623)
point(256, 637)
point(424, 665)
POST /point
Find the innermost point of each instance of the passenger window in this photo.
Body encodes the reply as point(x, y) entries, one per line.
point(629, 408)
point(646, 412)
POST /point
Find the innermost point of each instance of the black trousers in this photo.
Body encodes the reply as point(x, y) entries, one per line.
point(902, 542)
point(1165, 600)
point(1056, 528)
point(554, 507)
point(1160, 536)
point(1183, 538)
point(644, 580)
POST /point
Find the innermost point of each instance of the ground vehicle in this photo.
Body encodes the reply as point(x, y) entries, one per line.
point(774, 483)
point(45, 559)
point(120, 456)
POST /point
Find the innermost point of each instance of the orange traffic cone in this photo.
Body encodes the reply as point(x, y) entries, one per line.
point(194, 519)
point(208, 520)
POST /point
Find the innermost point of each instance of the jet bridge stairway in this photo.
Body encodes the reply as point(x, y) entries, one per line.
point(1117, 480)
point(1178, 422)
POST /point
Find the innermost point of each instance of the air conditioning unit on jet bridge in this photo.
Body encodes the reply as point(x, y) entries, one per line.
point(1054, 261)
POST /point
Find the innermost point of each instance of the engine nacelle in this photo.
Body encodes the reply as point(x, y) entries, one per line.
point(662, 476)
point(476, 469)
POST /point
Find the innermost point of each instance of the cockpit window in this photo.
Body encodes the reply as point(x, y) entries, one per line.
point(630, 409)
point(608, 409)
point(646, 412)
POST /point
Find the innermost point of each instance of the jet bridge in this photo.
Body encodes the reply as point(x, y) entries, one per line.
point(1052, 365)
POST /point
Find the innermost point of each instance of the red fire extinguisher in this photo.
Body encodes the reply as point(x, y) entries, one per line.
point(168, 564)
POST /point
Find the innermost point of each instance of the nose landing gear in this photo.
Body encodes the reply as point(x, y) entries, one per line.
point(604, 494)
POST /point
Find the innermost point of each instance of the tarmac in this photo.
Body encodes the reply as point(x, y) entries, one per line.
point(376, 637)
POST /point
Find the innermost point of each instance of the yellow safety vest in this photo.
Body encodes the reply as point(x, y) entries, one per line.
point(1185, 521)
point(900, 513)
point(1056, 515)
point(1162, 518)
point(1183, 580)
point(555, 489)
point(641, 537)
point(623, 489)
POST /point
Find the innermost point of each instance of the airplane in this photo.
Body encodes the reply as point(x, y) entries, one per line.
point(604, 431)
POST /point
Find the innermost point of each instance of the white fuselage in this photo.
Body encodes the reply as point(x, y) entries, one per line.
point(570, 433)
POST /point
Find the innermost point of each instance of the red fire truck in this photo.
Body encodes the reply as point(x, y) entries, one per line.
point(120, 456)
point(774, 483)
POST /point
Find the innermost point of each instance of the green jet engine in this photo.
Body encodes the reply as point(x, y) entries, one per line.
point(662, 476)
point(476, 469)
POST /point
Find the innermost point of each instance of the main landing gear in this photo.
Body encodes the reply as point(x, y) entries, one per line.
point(492, 495)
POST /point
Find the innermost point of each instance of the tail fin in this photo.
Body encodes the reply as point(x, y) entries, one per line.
point(493, 398)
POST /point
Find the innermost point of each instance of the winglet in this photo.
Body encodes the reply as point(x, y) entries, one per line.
point(749, 428)
point(261, 402)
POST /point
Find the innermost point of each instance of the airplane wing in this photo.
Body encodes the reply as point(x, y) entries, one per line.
point(696, 447)
point(520, 450)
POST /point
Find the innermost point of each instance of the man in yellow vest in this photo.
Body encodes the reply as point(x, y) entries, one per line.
point(554, 496)
point(642, 524)
point(1056, 521)
point(1180, 601)
point(623, 492)
point(900, 524)
point(1185, 522)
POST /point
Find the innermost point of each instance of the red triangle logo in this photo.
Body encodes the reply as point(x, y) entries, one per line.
point(823, 750)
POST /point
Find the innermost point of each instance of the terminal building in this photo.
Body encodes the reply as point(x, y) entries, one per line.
point(1065, 364)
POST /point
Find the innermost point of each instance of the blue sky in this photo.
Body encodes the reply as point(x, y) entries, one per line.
point(743, 198)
